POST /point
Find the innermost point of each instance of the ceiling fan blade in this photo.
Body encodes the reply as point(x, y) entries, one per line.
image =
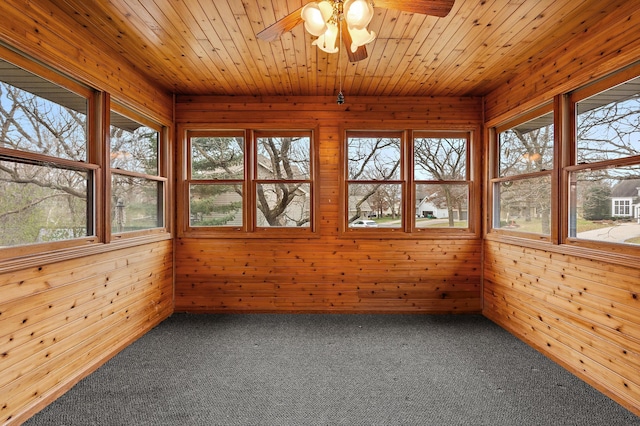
point(274, 31)
point(359, 54)
point(439, 8)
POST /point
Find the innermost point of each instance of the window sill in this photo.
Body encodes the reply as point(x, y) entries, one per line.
point(77, 251)
point(616, 254)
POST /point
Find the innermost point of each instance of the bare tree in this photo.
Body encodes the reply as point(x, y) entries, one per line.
point(35, 194)
point(443, 159)
point(285, 198)
point(373, 160)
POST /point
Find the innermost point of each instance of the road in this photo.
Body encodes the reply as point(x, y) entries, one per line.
point(616, 234)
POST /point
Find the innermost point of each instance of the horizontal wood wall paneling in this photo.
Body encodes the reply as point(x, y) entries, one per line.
point(622, 353)
point(44, 31)
point(571, 65)
point(581, 312)
point(329, 272)
point(578, 306)
point(71, 316)
point(576, 359)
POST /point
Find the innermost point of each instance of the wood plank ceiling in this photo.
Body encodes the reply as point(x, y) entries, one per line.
point(209, 47)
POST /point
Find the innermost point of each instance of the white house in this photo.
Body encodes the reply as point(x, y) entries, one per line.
point(625, 199)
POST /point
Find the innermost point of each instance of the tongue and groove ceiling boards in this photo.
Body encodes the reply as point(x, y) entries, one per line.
point(207, 47)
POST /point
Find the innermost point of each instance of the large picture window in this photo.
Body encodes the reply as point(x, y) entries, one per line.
point(137, 187)
point(414, 182)
point(46, 171)
point(522, 183)
point(605, 175)
point(250, 181)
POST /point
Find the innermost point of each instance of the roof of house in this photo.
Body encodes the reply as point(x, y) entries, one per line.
point(626, 188)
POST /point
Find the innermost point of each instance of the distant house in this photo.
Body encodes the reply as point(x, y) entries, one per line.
point(425, 207)
point(625, 199)
point(365, 207)
point(433, 206)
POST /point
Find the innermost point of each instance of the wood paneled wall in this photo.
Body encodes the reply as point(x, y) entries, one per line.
point(60, 321)
point(329, 272)
point(581, 312)
point(579, 308)
point(62, 315)
point(610, 44)
point(41, 30)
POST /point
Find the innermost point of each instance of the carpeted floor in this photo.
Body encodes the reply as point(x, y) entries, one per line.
point(331, 370)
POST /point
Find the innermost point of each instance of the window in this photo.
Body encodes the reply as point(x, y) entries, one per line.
point(259, 183)
point(426, 194)
point(442, 180)
point(622, 207)
point(605, 173)
point(375, 188)
point(522, 181)
point(217, 178)
point(137, 187)
point(47, 171)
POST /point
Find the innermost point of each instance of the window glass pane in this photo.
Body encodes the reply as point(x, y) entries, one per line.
point(40, 203)
point(281, 157)
point(41, 117)
point(381, 203)
point(605, 205)
point(440, 158)
point(524, 205)
point(217, 157)
point(215, 205)
point(136, 204)
point(608, 124)
point(527, 147)
point(442, 206)
point(283, 204)
point(374, 158)
point(134, 147)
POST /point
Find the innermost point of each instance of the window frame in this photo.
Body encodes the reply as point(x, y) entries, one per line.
point(249, 228)
point(97, 164)
point(408, 228)
point(160, 177)
point(91, 164)
point(572, 166)
point(495, 179)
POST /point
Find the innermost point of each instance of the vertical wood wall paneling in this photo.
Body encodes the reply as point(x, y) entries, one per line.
point(580, 310)
point(328, 273)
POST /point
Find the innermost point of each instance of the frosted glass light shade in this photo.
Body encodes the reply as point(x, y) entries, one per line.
point(327, 41)
point(358, 13)
point(314, 22)
point(360, 37)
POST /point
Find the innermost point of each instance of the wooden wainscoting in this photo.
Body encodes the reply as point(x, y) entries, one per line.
point(330, 271)
point(60, 321)
point(328, 275)
point(581, 312)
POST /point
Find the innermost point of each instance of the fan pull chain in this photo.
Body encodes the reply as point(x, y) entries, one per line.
point(340, 94)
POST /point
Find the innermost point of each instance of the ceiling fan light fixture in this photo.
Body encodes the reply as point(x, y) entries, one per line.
point(324, 18)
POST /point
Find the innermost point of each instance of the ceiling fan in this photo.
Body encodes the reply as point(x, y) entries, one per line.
point(330, 20)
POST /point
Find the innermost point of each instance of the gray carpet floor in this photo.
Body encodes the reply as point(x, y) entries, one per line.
point(285, 369)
